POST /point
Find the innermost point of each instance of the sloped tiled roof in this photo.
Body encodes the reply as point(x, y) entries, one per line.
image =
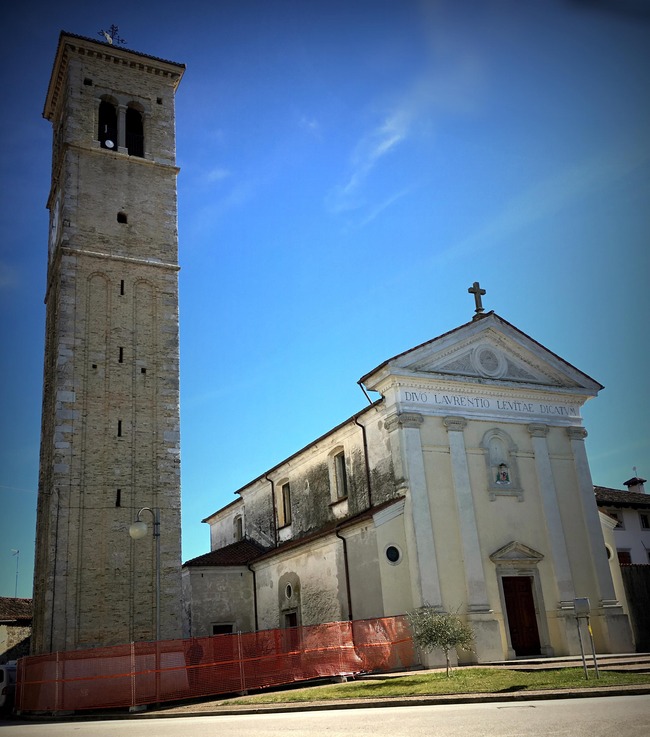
point(237, 554)
point(12, 609)
point(606, 497)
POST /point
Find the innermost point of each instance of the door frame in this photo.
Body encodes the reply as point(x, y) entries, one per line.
point(517, 559)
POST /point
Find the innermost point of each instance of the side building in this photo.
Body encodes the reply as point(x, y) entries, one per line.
point(110, 446)
point(466, 486)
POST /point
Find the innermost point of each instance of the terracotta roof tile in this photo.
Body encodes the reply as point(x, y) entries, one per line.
point(606, 497)
point(237, 554)
point(12, 609)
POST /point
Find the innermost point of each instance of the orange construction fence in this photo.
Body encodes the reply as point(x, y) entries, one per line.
point(143, 673)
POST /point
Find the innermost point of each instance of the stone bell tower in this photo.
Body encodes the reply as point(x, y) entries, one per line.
point(110, 444)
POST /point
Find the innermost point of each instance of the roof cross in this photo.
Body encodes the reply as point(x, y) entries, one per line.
point(476, 290)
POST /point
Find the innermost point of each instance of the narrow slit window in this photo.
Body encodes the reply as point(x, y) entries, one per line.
point(118, 498)
point(341, 476)
point(286, 504)
point(122, 287)
point(121, 356)
point(119, 428)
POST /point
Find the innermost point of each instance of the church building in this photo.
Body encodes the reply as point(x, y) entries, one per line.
point(465, 486)
point(110, 445)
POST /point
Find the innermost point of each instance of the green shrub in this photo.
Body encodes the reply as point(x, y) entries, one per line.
point(432, 631)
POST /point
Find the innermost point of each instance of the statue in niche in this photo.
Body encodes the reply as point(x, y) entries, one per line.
point(503, 474)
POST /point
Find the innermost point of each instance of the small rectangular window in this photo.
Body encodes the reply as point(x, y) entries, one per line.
point(222, 629)
point(122, 287)
point(286, 504)
point(624, 557)
point(644, 518)
point(121, 356)
point(618, 517)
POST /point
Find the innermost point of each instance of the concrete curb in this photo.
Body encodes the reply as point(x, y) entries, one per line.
point(207, 709)
point(634, 690)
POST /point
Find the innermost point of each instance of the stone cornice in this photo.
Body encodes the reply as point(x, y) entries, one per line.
point(114, 257)
point(70, 44)
point(473, 386)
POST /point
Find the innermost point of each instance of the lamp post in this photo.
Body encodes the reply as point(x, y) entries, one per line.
point(17, 554)
point(138, 530)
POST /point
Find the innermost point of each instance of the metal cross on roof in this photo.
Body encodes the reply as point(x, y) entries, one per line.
point(476, 290)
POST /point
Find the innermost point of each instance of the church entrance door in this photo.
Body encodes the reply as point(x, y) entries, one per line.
point(522, 620)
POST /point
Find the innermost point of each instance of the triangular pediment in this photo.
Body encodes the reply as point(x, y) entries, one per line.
point(516, 552)
point(487, 350)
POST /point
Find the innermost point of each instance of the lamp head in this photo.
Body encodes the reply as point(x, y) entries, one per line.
point(138, 529)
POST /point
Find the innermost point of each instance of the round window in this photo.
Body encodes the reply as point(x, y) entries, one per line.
point(288, 591)
point(393, 554)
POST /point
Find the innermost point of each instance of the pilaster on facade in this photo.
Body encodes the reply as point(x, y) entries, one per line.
point(557, 549)
point(598, 551)
point(477, 596)
point(405, 428)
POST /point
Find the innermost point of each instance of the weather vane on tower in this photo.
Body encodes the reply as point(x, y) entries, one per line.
point(112, 36)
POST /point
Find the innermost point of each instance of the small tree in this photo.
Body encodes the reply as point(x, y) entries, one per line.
point(433, 631)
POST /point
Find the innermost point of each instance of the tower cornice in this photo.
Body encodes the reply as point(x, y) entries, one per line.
point(71, 44)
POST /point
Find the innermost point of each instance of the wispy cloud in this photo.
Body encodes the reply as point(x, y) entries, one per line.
point(311, 125)
point(217, 174)
point(553, 194)
point(378, 209)
point(448, 87)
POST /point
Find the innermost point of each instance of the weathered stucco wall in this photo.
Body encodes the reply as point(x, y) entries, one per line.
point(316, 573)
point(218, 595)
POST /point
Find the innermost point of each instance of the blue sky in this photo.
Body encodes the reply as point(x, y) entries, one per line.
point(348, 169)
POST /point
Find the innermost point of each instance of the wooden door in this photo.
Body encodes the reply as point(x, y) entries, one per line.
point(522, 620)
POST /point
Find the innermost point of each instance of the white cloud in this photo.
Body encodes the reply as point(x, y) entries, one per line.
point(217, 174)
point(450, 86)
point(553, 194)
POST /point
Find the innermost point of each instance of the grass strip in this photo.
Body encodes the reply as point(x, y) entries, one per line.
point(460, 681)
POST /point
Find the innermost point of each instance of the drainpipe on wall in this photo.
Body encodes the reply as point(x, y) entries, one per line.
point(347, 573)
point(365, 458)
point(248, 565)
point(275, 524)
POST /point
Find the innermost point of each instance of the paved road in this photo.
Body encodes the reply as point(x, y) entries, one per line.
point(622, 716)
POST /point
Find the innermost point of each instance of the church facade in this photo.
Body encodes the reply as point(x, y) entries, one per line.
point(466, 487)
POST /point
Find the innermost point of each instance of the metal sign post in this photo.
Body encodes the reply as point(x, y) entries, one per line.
point(582, 611)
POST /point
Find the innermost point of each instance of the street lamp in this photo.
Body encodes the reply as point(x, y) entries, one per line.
point(17, 554)
point(138, 530)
